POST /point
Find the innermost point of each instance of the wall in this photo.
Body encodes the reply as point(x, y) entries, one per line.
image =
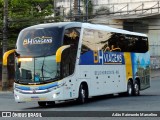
point(154, 35)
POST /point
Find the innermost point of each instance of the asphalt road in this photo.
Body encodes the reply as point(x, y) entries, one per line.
point(149, 100)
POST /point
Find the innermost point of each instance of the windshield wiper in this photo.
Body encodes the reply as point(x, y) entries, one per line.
point(42, 68)
point(24, 81)
point(50, 80)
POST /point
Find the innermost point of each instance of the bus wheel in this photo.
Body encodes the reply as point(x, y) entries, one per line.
point(136, 88)
point(42, 103)
point(129, 88)
point(82, 94)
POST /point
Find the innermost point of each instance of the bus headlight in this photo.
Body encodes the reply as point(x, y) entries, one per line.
point(55, 95)
point(16, 96)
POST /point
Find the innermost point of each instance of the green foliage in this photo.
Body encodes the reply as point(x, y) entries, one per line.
point(1, 3)
point(1, 20)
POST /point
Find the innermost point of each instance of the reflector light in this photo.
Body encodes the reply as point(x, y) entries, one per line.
point(24, 59)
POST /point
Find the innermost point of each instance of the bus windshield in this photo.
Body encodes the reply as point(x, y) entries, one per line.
point(33, 70)
point(39, 41)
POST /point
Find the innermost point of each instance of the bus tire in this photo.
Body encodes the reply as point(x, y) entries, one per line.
point(42, 103)
point(136, 91)
point(82, 97)
point(130, 88)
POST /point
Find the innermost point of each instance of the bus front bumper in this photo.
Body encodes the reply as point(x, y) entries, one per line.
point(36, 95)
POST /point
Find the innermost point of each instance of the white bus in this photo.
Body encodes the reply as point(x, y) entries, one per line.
point(73, 60)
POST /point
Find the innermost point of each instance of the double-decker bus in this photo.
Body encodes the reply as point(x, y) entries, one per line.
point(75, 61)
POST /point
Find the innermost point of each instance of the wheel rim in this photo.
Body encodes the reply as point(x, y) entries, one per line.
point(129, 90)
point(83, 95)
point(136, 88)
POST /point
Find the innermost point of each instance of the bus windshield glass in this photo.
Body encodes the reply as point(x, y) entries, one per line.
point(39, 41)
point(33, 70)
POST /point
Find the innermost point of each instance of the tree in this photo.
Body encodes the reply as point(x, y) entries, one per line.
point(1, 20)
point(4, 43)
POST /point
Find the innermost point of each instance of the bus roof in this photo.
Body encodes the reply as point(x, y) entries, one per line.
point(110, 29)
point(58, 24)
point(85, 25)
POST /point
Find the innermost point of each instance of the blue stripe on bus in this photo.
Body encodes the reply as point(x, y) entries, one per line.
point(48, 86)
point(40, 87)
point(23, 87)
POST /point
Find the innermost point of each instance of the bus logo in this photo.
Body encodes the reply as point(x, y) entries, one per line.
point(101, 57)
point(37, 40)
point(34, 89)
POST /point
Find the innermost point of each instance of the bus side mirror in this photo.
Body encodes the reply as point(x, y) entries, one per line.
point(60, 51)
point(5, 56)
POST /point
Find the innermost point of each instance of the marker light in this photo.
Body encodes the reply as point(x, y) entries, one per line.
point(24, 59)
point(55, 95)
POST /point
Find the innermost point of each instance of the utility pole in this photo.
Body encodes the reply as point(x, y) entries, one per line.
point(70, 9)
point(4, 45)
point(87, 10)
point(79, 9)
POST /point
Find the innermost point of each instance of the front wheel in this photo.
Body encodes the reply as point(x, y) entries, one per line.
point(82, 98)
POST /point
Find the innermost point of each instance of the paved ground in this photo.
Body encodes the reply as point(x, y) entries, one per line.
point(155, 73)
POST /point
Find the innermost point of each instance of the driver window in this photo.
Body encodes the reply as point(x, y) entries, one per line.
point(71, 37)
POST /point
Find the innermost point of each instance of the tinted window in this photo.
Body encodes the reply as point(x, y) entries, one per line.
point(128, 43)
point(107, 41)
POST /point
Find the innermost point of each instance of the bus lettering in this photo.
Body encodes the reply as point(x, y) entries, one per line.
point(37, 40)
point(105, 58)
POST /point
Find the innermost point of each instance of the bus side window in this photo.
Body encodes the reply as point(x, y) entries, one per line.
point(71, 37)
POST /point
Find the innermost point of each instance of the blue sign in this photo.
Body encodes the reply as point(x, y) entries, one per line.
point(101, 58)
